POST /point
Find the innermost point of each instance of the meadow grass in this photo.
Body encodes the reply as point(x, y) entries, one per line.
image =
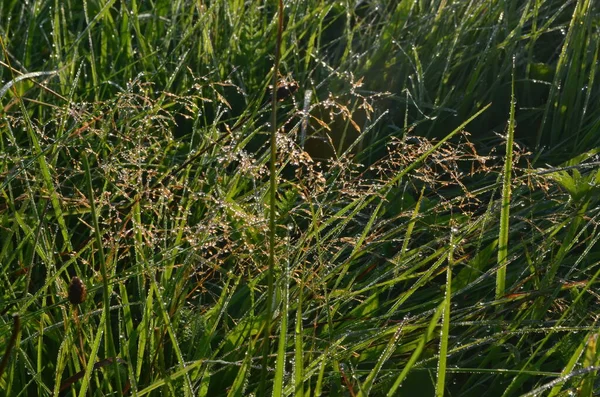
point(415, 213)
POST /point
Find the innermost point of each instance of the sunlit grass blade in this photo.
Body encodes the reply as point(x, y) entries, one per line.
point(272, 199)
point(389, 350)
point(109, 343)
point(175, 375)
point(298, 370)
point(424, 338)
point(506, 197)
point(591, 359)
point(280, 372)
point(188, 388)
point(238, 385)
point(521, 378)
point(445, 329)
point(575, 358)
point(91, 359)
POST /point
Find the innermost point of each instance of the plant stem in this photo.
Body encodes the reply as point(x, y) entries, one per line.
point(272, 191)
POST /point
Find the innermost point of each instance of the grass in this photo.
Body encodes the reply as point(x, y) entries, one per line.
point(427, 222)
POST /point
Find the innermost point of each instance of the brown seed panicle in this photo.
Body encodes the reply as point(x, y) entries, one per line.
point(286, 89)
point(77, 291)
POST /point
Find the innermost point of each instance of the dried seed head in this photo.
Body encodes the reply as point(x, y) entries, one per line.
point(77, 291)
point(285, 90)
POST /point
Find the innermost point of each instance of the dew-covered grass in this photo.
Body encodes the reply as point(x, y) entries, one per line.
point(427, 223)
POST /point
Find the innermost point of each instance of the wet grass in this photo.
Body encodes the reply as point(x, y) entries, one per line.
point(427, 225)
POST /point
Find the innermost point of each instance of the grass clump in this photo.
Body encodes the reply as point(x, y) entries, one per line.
point(428, 222)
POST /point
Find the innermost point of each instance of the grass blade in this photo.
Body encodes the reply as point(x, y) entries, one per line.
point(506, 197)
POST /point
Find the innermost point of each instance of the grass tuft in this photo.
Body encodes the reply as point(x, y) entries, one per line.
point(299, 198)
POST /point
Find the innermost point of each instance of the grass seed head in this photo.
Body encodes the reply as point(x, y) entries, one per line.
point(77, 291)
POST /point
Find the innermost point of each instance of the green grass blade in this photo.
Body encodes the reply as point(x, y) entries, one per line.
point(425, 337)
point(299, 346)
point(283, 328)
point(94, 353)
point(445, 331)
point(506, 197)
point(177, 374)
point(272, 198)
point(591, 359)
point(238, 385)
point(389, 349)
